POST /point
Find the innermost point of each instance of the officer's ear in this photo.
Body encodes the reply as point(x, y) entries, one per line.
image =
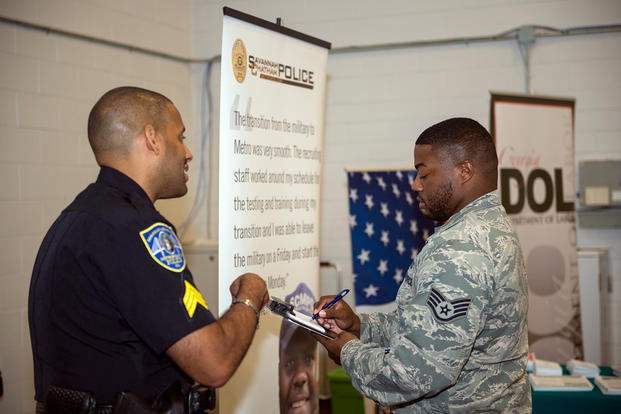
point(153, 141)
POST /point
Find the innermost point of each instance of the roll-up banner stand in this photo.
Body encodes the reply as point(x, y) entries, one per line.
point(535, 143)
point(273, 84)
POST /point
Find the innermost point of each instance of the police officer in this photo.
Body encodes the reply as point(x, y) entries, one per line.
point(457, 341)
point(112, 305)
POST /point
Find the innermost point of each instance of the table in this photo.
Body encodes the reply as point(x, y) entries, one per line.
point(567, 402)
point(345, 398)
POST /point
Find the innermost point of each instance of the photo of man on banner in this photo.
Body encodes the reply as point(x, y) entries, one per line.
point(297, 356)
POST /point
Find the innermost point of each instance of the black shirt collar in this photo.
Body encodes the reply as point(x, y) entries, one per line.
point(114, 178)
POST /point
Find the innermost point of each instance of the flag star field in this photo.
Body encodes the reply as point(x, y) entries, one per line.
point(387, 231)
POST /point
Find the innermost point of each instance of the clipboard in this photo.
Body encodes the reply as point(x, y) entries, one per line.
point(284, 309)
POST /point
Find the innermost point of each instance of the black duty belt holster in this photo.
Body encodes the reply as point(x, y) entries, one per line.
point(172, 400)
point(201, 398)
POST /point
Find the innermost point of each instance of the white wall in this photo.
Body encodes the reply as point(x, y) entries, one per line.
point(377, 104)
point(48, 83)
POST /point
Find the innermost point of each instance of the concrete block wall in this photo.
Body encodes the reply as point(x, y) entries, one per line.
point(48, 83)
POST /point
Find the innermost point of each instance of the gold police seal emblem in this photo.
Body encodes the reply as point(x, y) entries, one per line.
point(239, 60)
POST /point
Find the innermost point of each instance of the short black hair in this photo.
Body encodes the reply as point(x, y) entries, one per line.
point(121, 113)
point(461, 139)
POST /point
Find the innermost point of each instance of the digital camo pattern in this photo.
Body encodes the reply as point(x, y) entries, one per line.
point(473, 363)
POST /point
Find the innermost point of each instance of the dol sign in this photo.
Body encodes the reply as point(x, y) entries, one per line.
point(513, 178)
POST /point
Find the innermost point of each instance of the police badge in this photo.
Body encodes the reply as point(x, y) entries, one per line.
point(164, 247)
point(444, 310)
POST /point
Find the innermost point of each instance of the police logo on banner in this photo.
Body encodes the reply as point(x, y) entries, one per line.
point(239, 60)
point(445, 310)
point(164, 247)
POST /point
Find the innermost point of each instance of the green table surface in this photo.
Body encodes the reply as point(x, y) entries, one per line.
point(568, 402)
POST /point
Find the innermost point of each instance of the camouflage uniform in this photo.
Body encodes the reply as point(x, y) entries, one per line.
point(458, 338)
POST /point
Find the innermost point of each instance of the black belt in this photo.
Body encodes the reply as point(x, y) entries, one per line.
point(99, 409)
point(59, 400)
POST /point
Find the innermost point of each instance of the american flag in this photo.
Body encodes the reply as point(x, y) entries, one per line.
point(387, 232)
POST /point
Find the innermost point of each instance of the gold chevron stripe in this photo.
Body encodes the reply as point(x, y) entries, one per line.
point(192, 298)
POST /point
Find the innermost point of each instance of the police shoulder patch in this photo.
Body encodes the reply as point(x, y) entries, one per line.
point(163, 246)
point(445, 310)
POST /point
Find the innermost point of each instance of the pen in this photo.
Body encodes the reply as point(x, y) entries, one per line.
point(329, 305)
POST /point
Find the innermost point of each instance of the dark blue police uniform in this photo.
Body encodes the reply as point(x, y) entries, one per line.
point(110, 292)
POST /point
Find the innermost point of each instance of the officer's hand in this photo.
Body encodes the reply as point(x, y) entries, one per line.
point(334, 346)
point(252, 287)
point(340, 317)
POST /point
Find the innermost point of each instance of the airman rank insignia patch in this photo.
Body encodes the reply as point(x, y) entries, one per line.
point(445, 310)
point(192, 298)
point(164, 247)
